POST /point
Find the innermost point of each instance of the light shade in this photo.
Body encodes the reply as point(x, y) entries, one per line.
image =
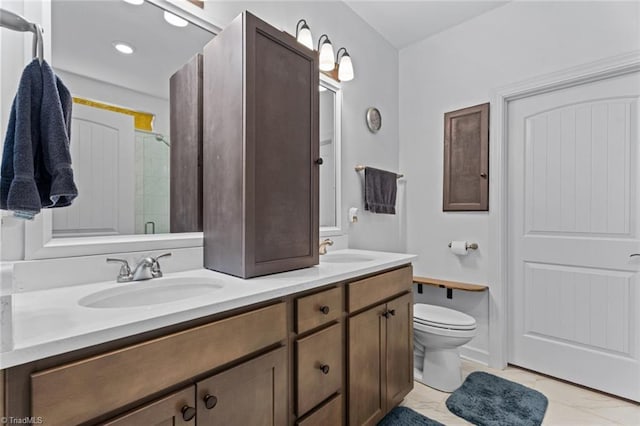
point(345, 66)
point(303, 34)
point(124, 48)
point(175, 20)
point(326, 53)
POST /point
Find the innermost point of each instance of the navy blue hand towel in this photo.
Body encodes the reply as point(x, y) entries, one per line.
point(380, 187)
point(36, 162)
point(54, 175)
point(18, 190)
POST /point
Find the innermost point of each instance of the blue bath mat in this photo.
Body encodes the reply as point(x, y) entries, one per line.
point(487, 400)
point(403, 416)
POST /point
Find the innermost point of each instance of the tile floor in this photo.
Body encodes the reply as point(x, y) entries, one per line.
point(568, 405)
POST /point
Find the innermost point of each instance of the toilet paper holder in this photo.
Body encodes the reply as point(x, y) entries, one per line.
point(469, 246)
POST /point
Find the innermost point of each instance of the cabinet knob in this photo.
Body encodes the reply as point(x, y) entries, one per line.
point(210, 401)
point(385, 314)
point(319, 161)
point(483, 175)
point(324, 368)
point(324, 309)
point(188, 413)
point(392, 312)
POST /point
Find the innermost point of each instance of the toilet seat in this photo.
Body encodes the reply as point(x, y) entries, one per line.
point(441, 317)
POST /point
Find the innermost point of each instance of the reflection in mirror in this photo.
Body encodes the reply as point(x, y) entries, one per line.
point(330, 154)
point(120, 126)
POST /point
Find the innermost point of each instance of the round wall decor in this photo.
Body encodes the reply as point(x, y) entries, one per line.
point(374, 119)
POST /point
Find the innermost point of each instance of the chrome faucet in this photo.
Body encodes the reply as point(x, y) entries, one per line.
point(323, 246)
point(146, 269)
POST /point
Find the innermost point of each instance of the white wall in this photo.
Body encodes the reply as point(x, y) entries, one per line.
point(459, 68)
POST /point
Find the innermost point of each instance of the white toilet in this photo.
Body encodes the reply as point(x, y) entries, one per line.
point(438, 332)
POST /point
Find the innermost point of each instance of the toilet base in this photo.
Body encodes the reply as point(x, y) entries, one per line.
point(441, 370)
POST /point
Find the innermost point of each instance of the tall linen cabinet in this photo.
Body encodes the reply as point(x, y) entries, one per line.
point(260, 151)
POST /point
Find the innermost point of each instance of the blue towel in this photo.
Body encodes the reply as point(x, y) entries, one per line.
point(380, 187)
point(36, 162)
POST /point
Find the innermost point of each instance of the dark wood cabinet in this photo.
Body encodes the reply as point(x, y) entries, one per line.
point(399, 340)
point(185, 100)
point(253, 393)
point(380, 349)
point(466, 159)
point(367, 367)
point(176, 409)
point(260, 151)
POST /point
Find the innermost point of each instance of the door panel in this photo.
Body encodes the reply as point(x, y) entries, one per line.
point(102, 152)
point(166, 411)
point(399, 349)
point(253, 393)
point(573, 222)
point(367, 378)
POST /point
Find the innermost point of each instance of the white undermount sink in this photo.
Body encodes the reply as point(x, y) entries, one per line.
point(151, 292)
point(345, 258)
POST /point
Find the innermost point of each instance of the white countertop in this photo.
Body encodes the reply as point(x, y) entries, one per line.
point(51, 322)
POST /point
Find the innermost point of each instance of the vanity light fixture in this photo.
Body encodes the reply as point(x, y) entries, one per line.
point(326, 53)
point(175, 20)
point(134, 2)
point(303, 34)
point(345, 66)
point(124, 48)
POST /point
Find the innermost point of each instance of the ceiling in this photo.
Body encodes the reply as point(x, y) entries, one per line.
point(405, 22)
point(83, 33)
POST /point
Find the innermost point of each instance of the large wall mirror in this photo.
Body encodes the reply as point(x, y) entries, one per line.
point(330, 152)
point(121, 127)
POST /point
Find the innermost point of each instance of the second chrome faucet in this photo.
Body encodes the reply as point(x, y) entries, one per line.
point(146, 269)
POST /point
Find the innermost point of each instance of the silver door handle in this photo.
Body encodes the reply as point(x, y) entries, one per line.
point(634, 254)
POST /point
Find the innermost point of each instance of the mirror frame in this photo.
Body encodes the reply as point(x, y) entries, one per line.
point(39, 242)
point(335, 87)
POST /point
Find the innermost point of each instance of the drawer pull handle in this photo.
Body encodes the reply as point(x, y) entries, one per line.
point(188, 413)
point(325, 309)
point(210, 401)
point(324, 368)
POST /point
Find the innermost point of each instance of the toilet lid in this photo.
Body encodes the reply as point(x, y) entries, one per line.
point(439, 316)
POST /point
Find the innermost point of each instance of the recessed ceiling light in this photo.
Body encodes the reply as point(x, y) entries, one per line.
point(124, 48)
point(175, 20)
point(135, 2)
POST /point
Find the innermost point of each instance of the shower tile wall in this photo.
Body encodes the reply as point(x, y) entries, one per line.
point(152, 184)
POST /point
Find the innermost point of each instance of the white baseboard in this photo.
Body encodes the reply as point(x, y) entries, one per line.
point(474, 354)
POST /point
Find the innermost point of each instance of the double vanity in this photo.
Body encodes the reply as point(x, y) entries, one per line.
point(326, 345)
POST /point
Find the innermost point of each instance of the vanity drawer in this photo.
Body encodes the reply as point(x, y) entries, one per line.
point(329, 414)
point(370, 291)
point(80, 391)
point(317, 309)
point(318, 367)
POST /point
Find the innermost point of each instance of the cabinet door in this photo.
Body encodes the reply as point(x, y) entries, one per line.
point(399, 349)
point(253, 393)
point(172, 410)
point(282, 146)
point(367, 366)
point(185, 103)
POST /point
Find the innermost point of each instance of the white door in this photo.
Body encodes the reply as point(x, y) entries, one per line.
point(102, 153)
point(574, 222)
